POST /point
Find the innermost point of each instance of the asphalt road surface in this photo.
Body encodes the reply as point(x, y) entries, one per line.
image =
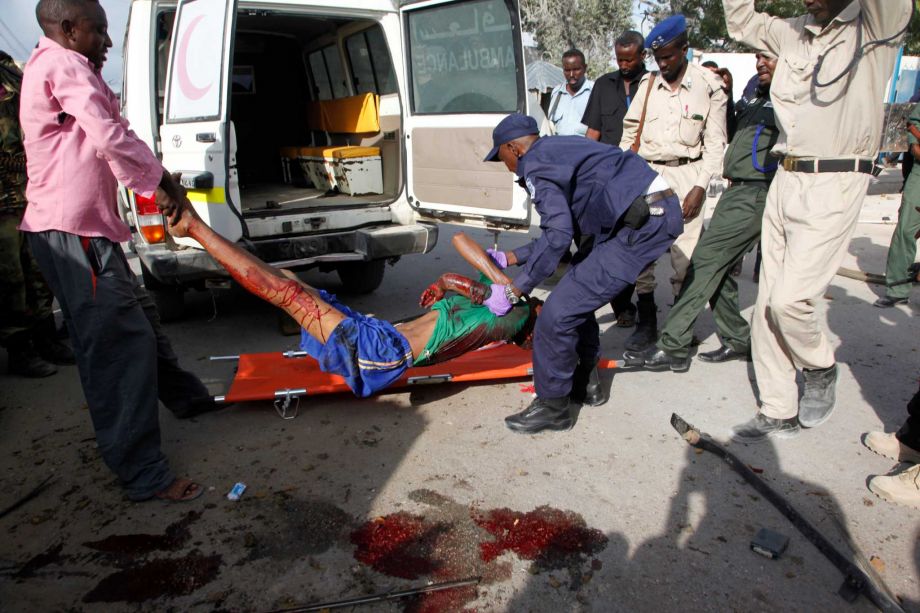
point(356, 497)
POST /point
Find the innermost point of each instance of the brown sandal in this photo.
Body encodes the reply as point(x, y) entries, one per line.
point(180, 490)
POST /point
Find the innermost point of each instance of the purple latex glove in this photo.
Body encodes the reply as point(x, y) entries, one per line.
point(497, 301)
point(499, 257)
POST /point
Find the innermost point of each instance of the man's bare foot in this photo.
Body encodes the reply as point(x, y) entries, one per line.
point(180, 490)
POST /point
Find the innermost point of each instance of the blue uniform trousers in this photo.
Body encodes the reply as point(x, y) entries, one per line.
point(566, 330)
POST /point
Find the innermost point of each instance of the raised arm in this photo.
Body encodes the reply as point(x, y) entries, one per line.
point(756, 29)
point(478, 258)
point(885, 23)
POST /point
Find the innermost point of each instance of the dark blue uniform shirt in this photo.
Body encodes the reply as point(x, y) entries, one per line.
point(577, 186)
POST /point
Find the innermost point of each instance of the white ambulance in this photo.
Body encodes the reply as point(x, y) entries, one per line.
point(320, 133)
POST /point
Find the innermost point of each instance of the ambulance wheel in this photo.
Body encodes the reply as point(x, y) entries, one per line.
point(361, 277)
point(170, 303)
point(169, 299)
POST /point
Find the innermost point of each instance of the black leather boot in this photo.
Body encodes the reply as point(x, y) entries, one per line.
point(586, 385)
point(543, 414)
point(647, 329)
point(22, 359)
point(49, 347)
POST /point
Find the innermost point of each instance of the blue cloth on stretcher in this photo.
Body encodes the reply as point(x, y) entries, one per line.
point(369, 353)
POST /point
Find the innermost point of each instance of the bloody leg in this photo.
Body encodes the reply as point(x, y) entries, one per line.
point(280, 288)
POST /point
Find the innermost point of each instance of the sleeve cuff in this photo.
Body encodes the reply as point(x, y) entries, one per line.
point(146, 185)
point(523, 283)
point(522, 253)
point(703, 179)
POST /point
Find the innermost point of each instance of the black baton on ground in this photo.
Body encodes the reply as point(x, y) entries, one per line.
point(856, 580)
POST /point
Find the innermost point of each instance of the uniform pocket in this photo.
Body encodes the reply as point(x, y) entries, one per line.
point(792, 79)
point(690, 131)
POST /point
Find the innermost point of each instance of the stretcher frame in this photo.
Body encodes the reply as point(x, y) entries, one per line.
point(286, 377)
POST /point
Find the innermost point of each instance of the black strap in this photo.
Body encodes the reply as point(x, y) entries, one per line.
point(830, 165)
point(554, 105)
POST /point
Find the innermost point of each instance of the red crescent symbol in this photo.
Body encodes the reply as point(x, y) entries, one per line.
point(189, 89)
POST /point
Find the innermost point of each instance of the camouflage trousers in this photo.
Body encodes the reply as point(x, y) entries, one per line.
point(25, 298)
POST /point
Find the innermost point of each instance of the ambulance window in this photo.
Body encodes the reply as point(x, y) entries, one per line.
point(320, 76)
point(336, 73)
point(328, 75)
point(370, 62)
point(463, 58)
point(164, 26)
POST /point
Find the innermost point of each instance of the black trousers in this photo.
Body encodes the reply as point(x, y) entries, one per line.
point(125, 361)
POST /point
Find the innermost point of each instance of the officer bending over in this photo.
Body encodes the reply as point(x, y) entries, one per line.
point(577, 186)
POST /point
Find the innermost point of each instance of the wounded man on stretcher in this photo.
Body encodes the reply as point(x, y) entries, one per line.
point(370, 353)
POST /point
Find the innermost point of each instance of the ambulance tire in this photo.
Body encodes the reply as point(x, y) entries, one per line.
point(170, 303)
point(170, 299)
point(361, 277)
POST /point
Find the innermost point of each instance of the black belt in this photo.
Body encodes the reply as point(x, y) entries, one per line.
point(761, 182)
point(658, 196)
point(675, 161)
point(812, 165)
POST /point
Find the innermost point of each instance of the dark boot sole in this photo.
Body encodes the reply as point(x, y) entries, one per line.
point(595, 401)
point(669, 366)
point(784, 434)
point(735, 358)
point(564, 426)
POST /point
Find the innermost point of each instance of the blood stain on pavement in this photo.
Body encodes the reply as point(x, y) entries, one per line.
point(156, 578)
point(451, 541)
point(398, 545)
point(173, 539)
point(553, 539)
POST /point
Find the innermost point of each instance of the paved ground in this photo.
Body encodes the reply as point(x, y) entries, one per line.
point(363, 496)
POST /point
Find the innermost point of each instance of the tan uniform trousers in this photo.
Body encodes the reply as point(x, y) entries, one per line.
point(681, 180)
point(807, 225)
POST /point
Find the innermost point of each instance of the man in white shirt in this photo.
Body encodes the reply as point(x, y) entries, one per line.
point(568, 102)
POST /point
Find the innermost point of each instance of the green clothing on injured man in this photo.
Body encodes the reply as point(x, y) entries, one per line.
point(463, 326)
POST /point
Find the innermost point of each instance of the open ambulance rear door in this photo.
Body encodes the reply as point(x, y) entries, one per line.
point(465, 72)
point(196, 134)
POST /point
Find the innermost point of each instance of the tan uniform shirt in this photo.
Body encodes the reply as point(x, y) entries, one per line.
point(840, 120)
point(686, 123)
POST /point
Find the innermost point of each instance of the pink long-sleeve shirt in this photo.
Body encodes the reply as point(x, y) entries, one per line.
point(78, 147)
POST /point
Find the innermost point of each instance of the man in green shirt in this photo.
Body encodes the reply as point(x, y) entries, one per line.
point(903, 247)
point(733, 231)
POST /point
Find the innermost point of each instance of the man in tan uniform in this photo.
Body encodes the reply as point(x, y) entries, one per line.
point(828, 89)
point(683, 138)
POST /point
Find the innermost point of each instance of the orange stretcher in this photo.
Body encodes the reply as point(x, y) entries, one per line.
point(285, 377)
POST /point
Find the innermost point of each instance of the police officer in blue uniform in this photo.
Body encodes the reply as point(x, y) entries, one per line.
point(578, 186)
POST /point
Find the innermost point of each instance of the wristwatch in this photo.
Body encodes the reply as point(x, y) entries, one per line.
point(510, 295)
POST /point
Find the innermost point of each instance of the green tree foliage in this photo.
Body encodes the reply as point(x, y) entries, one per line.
point(588, 25)
point(706, 20)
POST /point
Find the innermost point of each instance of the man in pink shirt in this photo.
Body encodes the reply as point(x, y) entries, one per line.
point(78, 146)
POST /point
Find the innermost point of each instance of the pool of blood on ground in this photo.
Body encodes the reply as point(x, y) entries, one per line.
point(410, 546)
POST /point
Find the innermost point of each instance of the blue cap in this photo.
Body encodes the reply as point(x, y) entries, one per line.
point(666, 31)
point(511, 127)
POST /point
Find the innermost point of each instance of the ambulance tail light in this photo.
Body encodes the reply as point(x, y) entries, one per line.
point(149, 219)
